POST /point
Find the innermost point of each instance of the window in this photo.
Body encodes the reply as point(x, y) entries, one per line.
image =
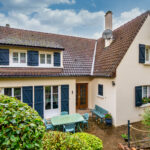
point(19, 58)
point(8, 91)
point(51, 97)
point(145, 94)
point(147, 55)
point(42, 58)
point(22, 57)
point(48, 59)
point(100, 90)
point(45, 59)
point(14, 92)
point(15, 57)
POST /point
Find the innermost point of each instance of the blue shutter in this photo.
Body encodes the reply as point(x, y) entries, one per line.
point(141, 53)
point(65, 98)
point(38, 99)
point(138, 96)
point(100, 89)
point(57, 59)
point(28, 95)
point(4, 57)
point(33, 58)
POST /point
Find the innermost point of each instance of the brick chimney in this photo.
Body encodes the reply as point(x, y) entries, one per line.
point(107, 34)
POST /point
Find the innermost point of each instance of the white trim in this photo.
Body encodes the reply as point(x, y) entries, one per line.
point(145, 105)
point(100, 96)
point(92, 69)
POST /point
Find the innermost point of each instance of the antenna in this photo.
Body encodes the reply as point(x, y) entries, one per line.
point(107, 34)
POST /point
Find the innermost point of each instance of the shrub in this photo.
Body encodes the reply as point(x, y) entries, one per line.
point(20, 126)
point(92, 141)
point(65, 141)
point(54, 140)
point(146, 117)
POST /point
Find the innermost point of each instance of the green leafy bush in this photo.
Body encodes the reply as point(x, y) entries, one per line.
point(146, 117)
point(54, 140)
point(65, 141)
point(92, 141)
point(20, 126)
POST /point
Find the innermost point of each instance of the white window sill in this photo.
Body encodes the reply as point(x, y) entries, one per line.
point(147, 63)
point(145, 105)
point(100, 96)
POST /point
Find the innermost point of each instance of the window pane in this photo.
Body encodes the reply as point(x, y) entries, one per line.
point(15, 57)
point(48, 59)
point(17, 93)
point(42, 58)
point(47, 97)
point(144, 91)
point(22, 57)
point(55, 97)
point(8, 91)
point(147, 55)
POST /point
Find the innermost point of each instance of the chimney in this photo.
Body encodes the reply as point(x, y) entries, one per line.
point(107, 34)
point(7, 25)
point(108, 20)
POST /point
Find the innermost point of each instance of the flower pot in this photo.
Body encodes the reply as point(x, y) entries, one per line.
point(126, 139)
point(108, 121)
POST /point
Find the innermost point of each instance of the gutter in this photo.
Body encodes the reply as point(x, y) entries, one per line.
point(93, 63)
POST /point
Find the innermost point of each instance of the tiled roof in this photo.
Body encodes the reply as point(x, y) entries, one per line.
point(78, 52)
point(107, 59)
point(77, 55)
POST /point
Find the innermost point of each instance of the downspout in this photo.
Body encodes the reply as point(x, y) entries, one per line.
point(93, 63)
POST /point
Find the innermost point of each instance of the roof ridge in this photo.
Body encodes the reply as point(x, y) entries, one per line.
point(28, 30)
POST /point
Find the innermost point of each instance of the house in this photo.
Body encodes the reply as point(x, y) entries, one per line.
point(54, 73)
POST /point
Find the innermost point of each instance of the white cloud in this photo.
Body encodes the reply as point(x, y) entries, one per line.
point(126, 16)
point(82, 23)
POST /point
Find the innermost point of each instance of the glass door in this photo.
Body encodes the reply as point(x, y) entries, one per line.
point(51, 101)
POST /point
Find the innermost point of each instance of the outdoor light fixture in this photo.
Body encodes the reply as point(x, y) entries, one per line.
point(113, 83)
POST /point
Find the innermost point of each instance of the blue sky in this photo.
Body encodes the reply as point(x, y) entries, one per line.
point(71, 17)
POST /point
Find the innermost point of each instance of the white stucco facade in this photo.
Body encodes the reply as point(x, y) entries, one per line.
point(130, 73)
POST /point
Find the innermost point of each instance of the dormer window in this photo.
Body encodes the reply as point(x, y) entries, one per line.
point(45, 59)
point(19, 57)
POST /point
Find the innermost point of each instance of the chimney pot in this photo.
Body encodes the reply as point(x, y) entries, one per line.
point(7, 25)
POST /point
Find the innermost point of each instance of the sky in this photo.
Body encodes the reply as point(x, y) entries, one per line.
point(84, 18)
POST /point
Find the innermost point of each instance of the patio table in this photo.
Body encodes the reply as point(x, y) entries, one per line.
point(67, 119)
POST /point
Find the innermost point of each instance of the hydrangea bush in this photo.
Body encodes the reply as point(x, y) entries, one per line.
point(20, 126)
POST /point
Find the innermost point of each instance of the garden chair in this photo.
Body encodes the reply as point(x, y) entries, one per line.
point(64, 113)
point(49, 126)
point(69, 128)
point(86, 119)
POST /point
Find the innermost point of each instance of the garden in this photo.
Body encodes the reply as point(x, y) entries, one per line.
point(22, 128)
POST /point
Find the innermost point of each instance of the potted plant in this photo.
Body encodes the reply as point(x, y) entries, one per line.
point(125, 137)
point(108, 119)
point(145, 100)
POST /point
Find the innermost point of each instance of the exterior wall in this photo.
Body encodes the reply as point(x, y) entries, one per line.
point(20, 82)
point(108, 100)
point(131, 73)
